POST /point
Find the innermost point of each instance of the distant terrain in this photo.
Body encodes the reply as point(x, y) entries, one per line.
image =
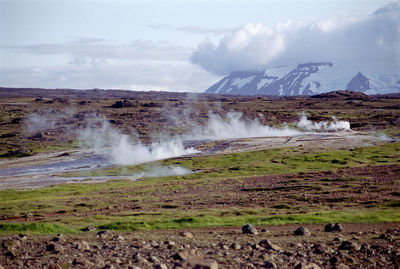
point(123, 179)
point(307, 79)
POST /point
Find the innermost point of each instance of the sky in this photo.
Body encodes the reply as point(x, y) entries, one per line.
point(186, 45)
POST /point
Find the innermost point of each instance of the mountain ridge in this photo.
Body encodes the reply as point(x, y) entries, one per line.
point(305, 79)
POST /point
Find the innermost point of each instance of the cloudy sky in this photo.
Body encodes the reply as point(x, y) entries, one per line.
point(186, 45)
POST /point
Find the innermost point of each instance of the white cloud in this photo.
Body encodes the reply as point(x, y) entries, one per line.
point(371, 40)
point(98, 63)
point(247, 48)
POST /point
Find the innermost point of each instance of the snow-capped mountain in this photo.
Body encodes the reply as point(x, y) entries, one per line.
point(306, 79)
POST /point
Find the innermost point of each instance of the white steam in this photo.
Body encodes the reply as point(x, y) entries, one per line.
point(44, 120)
point(163, 171)
point(322, 126)
point(126, 151)
point(234, 126)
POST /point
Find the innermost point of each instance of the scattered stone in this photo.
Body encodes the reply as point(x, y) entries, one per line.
point(54, 247)
point(264, 230)
point(200, 264)
point(170, 244)
point(154, 259)
point(365, 247)
point(249, 229)
point(104, 234)
point(83, 245)
point(91, 228)
point(348, 245)
point(121, 104)
point(236, 246)
point(58, 239)
point(268, 245)
point(160, 266)
point(329, 228)
point(186, 234)
point(338, 239)
point(79, 261)
point(224, 247)
point(188, 254)
point(302, 231)
point(118, 238)
point(11, 244)
point(307, 266)
point(342, 266)
point(333, 260)
point(318, 249)
point(109, 266)
point(333, 227)
point(10, 254)
point(22, 237)
point(269, 264)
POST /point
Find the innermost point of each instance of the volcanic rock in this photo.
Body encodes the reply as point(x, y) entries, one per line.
point(91, 228)
point(302, 231)
point(124, 103)
point(348, 245)
point(268, 245)
point(333, 227)
point(307, 266)
point(269, 264)
point(83, 245)
point(249, 229)
point(160, 266)
point(54, 247)
point(186, 234)
point(104, 234)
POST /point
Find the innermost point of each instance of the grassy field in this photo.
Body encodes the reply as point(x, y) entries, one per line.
point(303, 187)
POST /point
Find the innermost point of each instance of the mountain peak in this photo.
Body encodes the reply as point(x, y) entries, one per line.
point(359, 83)
point(305, 79)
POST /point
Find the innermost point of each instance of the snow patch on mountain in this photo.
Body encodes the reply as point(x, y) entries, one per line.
point(308, 79)
point(240, 82)
point(279, 71)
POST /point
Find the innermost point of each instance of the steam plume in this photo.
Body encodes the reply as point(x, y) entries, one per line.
point(334, 125)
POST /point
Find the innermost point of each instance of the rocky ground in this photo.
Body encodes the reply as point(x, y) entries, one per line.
point(284, 246)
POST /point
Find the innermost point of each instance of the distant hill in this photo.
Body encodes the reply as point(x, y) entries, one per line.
point(306, 79)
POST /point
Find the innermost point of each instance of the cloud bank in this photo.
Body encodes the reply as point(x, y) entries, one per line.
point(371, 41)
point(93, 63)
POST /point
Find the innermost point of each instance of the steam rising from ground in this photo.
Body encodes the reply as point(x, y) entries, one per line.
point(234, 126)
point(334, 125)
point(127, 151)
point(163, 171)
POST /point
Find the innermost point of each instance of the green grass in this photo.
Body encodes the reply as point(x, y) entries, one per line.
point(33, 228)
point(78, 198)
point(203, 220)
